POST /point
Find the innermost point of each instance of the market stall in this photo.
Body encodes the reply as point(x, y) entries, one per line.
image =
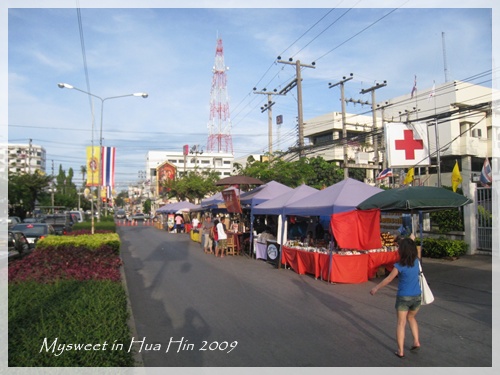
point(258, 196)
point(356, 251)
point(275, 207)
point(349, 266)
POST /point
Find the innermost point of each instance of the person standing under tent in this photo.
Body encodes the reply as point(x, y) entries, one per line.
point(408, 298)
point(221, 239)
point(206, 229)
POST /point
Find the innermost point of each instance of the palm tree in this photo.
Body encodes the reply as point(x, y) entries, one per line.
point(83, 171)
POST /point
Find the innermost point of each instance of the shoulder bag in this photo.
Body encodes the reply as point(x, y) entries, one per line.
point(427, 296)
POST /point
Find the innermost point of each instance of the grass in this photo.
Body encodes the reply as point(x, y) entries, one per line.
point(67, 306)
point(73, 312)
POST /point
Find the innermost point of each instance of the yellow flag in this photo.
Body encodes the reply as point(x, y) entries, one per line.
point(409, 177)
point(93, 162)
point(456, 178)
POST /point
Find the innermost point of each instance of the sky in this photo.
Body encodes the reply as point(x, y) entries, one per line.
point(168, 51)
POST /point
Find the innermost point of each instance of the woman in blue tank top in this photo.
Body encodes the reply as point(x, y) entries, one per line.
point(408, 298)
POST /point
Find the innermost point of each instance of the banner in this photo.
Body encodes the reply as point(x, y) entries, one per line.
point(358, 229)
point(108, 166)
point(93, 161)
point(164, 172)
point(232, 201)
point(407, 144)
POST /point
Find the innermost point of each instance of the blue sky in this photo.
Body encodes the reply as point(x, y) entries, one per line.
point(169, 52)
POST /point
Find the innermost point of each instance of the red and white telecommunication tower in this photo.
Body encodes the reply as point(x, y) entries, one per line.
point(219, 125)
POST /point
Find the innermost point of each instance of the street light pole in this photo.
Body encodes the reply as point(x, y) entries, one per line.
point(99, 182)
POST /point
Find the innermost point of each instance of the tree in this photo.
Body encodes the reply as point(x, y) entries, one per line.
point(25, 190)
point(194, 186)
point(146, 208)
point(315, 172)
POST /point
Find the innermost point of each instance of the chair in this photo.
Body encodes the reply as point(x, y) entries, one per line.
point(231, 246)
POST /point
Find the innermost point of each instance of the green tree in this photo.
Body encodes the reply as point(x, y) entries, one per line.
point(193, 186)
point(25, 190)
point(146, 207)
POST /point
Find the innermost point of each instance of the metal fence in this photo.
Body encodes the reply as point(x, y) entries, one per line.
point(484, 218)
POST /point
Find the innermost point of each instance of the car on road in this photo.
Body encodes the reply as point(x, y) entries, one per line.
point(34, 231)
point(138, 216)
point(17, 242)
point(120, 214)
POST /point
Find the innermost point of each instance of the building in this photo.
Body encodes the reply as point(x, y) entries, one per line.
point(462, 112)
point(459, 124)
point(189, 161)
point(26, 158)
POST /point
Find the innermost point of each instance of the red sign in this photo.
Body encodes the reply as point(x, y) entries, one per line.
point(232, 201)
point(164, 173)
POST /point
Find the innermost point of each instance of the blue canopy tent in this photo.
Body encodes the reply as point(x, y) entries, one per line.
point(343, 196)
point(277, 205)
point(340, 197)
point(174, 207)
point(215, 202)
point(259, 195)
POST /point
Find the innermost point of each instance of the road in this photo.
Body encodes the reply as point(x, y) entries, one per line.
point(192, 309)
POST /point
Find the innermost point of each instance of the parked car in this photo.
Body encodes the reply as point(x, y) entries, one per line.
point(34, 231)
point(34, 220)
point(77, 216)
point(13, 220)
point(18, 242)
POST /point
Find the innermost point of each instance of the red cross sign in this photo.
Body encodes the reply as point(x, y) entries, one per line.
point(409, 144)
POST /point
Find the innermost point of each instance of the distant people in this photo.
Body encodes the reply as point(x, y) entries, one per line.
point(206, 230)
point(221, 239)
point(195, 222)
point(408, 298)
point(215, 236)
point(179, 224)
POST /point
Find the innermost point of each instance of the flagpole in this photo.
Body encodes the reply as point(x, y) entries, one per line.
point(438, 152)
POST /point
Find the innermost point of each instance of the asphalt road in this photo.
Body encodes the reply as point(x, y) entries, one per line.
point(192, 309)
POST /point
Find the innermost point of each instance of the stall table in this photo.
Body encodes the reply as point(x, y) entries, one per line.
point(349, 269)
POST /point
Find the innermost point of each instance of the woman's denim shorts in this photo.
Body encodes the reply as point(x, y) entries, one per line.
point(408, 303)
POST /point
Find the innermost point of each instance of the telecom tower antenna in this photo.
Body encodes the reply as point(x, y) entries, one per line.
point(219, 125)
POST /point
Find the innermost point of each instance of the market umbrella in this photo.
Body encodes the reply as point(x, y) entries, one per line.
point(239, 180)
point(414, 199)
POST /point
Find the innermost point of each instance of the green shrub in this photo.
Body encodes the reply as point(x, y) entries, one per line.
point(443, 248)
point(103, 225)
point(73, 312)
point(89, 241)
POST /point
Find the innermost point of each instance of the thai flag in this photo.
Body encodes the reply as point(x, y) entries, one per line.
point(414, 89)
point(385, 173)
point(108, 156)
point(486, 173)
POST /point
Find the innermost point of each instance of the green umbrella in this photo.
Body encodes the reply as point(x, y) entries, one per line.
point(414, 199)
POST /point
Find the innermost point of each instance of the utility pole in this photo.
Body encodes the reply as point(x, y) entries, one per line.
point(344, 126)
point(374, 114)
point(298, 83)
point(267, 107)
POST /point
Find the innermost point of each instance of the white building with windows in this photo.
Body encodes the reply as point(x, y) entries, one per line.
point(195, 160)
point(26, 158)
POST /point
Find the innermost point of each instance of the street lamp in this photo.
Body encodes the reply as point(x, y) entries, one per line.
point(138, 94)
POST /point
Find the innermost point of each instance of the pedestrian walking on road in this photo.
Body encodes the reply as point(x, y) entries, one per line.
point(221, 239)
point(408, 298)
